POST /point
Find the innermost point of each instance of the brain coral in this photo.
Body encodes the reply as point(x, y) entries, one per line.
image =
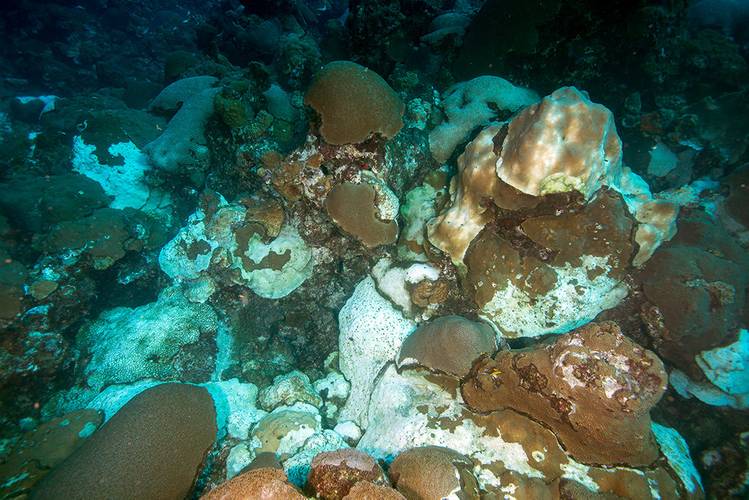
point(354, 102)
point(153, 447)
point(593, 387)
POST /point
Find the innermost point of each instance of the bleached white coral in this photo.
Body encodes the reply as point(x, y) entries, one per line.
point(371, 332)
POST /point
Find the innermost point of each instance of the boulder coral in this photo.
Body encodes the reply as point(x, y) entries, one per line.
point(544, 222)
point(509, 451)
point(334, 473)
point(266, 483)
point(448, 344)
point(354, 102)
point(154, 447)
point(434, 472)
point(594, 387)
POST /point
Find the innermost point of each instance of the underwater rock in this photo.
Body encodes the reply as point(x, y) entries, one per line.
point(178, 93)
point(334, 473)
point(265, 483)
point(434, 472)
point(594, 387)
point(102, 238)
point(154, 447)
point(182, 147)
point(371, 332)
point(447, 345)
point(354, 102)
point(473, 104)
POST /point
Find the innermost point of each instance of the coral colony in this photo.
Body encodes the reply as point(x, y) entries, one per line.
point(374, 249)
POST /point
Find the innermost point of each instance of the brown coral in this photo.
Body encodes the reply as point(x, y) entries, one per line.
point(354, 102)
point(593, 387)
point(697, 284)
point(153, 447)
point(352, 207)
point(334, 473)
point(449, 344)
point(364, 490)
point(434, 472)
point(266, 483)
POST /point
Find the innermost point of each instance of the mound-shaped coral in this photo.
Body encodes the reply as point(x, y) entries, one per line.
point(153, 447)
point(594, 387)
point(334, 473)
point(264, 483)
point(434, 472)
point(449, 344)
point(353, 102)
point(544, 222)
point(698, 284)
point(508, 451)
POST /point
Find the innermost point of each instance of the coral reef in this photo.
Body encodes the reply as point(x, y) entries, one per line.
point(340, 249)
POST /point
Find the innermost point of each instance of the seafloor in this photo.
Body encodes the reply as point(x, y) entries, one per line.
point(374, 249)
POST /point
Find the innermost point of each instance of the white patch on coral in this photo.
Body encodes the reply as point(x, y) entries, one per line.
point(114, 397)
point(727, 371)
point(126, 345)
point(240, 456)
point(224, 344)
point(575, 300)
point(278, 283)
point(405, 412)
point(297, 467)
point(349, 431)
point(126, 182)
point(728, 367)
point(236, 409)
point(676, 451)
point(393, 282)
point(472, 104)
point(334, 385)
point(287, 389)
point(579, 473)
point(48, 100)
point(371, 333)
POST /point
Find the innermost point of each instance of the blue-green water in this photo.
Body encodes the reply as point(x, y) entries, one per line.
point(367, 249)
